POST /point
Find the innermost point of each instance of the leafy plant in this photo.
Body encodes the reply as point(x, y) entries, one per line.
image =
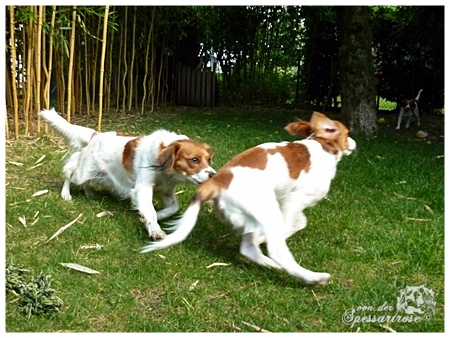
point(35, 297)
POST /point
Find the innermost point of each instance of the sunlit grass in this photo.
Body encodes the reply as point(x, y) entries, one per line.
point(380, 229)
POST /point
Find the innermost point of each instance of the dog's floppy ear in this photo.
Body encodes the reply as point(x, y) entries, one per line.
point(323, 127)
point(208, 148)
point(299, 128)
point(166, 158)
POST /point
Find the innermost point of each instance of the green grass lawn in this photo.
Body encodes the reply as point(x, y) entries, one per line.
point(380, 230)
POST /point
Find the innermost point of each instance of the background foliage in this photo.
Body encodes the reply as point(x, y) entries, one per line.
point(262, 54)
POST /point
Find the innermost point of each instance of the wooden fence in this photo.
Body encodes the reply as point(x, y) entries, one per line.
point(196, 87)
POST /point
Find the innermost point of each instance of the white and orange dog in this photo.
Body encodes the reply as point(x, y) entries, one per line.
point(139, 168)
point(263, 191)
point(409, 108)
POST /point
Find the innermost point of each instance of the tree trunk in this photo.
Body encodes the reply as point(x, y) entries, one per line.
point(356, 69)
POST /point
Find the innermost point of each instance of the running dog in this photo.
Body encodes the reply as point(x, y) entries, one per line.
point(136, 167)
point(263, 191)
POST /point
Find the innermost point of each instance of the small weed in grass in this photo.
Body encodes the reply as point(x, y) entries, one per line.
point(379, 231)
point(33, 297)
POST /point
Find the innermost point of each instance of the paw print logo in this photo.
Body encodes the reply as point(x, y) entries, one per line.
point(416, 300)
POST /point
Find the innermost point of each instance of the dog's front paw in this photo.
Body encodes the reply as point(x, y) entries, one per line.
point(67, 197)
point(155, 235)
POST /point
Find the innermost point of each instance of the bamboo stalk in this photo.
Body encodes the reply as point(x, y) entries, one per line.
point(61, 79)
point(94, 70)
point(110, 62)
point(133, 53)
point(45, 69)
point(147, 50)
point(38, 67)
point(119, 70)
point(29, 73)
point(125, 65)
point(71, 56)
point(102, 69)
point(79, 87)
point(87, 68)
point(158, 91)
point(23, 68)
point(13, 75)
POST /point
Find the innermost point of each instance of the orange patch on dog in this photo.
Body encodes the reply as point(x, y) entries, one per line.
point(211, 188)
point(252, 158)
point(128, 154)
point(297, 157)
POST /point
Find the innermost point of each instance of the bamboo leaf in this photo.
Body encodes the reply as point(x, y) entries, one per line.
point(80, 268)
point(39, 193)
point(40, 159)
point(93, 246)
point(23, 220)
point(62, 229)
point(217, 264)
point(104, 213)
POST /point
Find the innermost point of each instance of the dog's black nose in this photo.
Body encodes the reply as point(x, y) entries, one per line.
point(211, 174)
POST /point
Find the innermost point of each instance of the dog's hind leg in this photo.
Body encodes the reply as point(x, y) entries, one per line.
point(294, 218)
point(87, 190)
point(280, 253)
point(271, 223)
point(296, 223)
point(169, 201)
point(251, 250)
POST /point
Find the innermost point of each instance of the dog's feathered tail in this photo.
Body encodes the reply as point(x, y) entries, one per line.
point(418, 95)
point(184, 225)
point(77, 137)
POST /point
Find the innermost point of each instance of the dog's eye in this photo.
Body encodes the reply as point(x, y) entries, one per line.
point(195, 160)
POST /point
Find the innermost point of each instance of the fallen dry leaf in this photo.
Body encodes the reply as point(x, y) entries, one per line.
point(40, 159)
point(93, 246)
point(23, 220)
point(104, 213)
point(39, 193)
point(193, 285)
point(79, 267)
point(217, 264)
point(61, 230)
point(417, 219)
point(429, 209)
point(35, 166)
